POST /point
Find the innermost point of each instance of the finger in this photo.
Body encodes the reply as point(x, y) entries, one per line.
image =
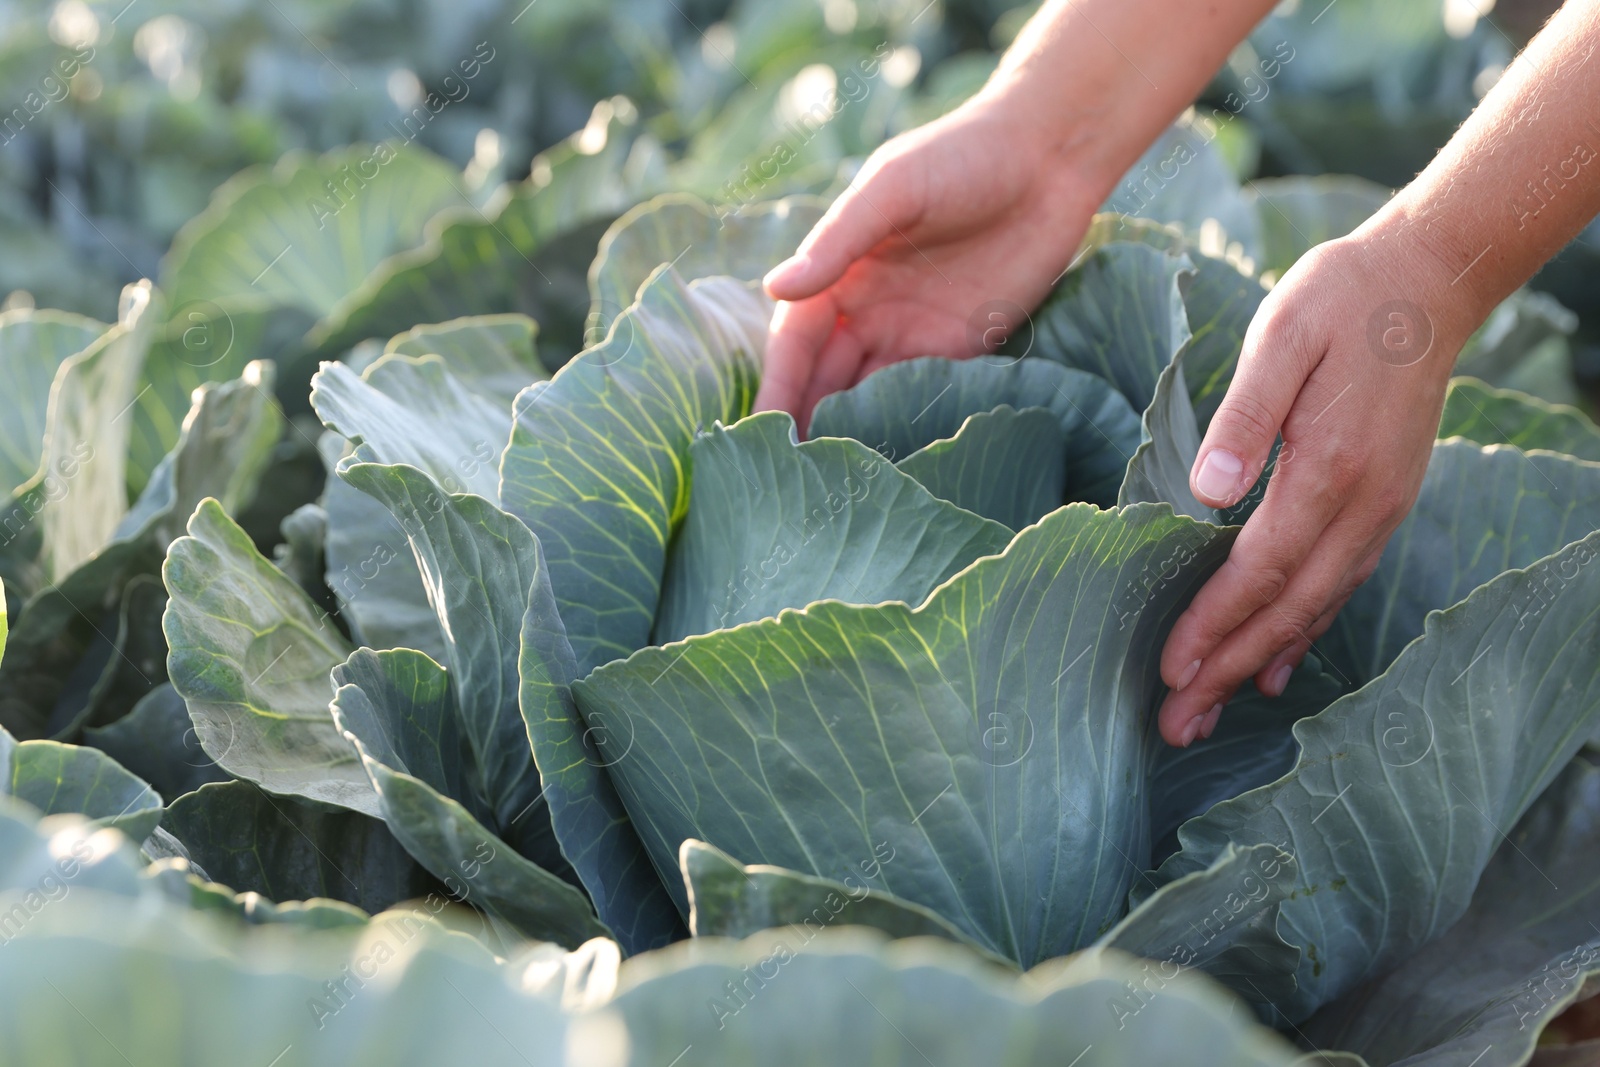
point(1273, 679)
point(835, 370)
point(873, 208)
point(1268, 552)
point(796, 336)
point(1324, 580)
point(1275, 362)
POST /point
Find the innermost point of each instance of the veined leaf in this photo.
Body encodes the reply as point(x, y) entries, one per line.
point(411, 410)
point(985, 736)
point(773, 524)
point(251, 655)
point(596, 466)
point(910, 405)
point(65, 779)
point(700, 241)
point(1252, 746)
point(595, 831)
point(494, 355)
point(33, 345)
point(399, 710)
point(1493, 416)
point(224, 448)
point(305, 234)
point(1395, 802)
point(286, 849)
point(478, 564)
point(80, 482)
point(1223, 920)
point(1480, 511)
point(1220, 300)
point(1514, 960)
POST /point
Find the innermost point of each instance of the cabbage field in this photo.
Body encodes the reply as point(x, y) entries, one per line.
point(415, 651)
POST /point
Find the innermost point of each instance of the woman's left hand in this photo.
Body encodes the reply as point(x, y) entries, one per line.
point(1348, 359)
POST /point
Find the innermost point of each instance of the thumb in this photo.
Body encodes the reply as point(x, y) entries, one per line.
point(864, 215)
point(1239, 439)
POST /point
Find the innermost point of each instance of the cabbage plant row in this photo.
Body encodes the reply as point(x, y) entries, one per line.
point(583, 716)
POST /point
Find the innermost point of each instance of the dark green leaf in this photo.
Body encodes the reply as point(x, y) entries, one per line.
point(398, 709)
point(286, 849)
point(907, 406)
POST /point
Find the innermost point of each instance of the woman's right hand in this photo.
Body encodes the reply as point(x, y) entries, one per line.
point(969, 210)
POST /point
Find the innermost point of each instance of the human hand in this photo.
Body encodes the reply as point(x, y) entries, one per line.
point(1348, 358)
point(968, 209)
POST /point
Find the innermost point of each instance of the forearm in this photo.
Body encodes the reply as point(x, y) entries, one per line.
point(1518, 180)
point(1098, 80)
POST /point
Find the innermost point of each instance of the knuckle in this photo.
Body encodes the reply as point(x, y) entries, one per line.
point(1264, 576)
point(1245, 415)
point(1343, 469)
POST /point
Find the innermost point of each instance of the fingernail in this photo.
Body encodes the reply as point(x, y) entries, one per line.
point(1188, 675)
point(1279, 681)
point(1209, 723)
point(787, 272)
point(1189, 731)
point(1218, 475)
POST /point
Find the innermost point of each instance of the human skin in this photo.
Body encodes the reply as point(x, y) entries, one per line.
point(990, 202)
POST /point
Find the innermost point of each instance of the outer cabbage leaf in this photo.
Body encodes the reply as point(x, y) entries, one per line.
point(478, 564)
point(597, 464)
point(305, 234)
point(286, 849)
point(595, 831)
point(1519, 955)
point(223, 450)
point(920, 1003)
point(251, 655)
point(65, 779)
point(33, 345)
point(399, 710)
point(1493, 416)
point(495, 355)
point(700, 241)
point(1480, 511)
point(984, 736)
point(729, 899)
point(411, 410)
point(370, 568)
point(1465, 729)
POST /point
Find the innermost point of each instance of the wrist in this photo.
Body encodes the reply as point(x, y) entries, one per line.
point(1419, 267)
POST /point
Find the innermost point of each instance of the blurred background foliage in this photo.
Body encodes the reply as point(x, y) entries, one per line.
point(171, 97)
